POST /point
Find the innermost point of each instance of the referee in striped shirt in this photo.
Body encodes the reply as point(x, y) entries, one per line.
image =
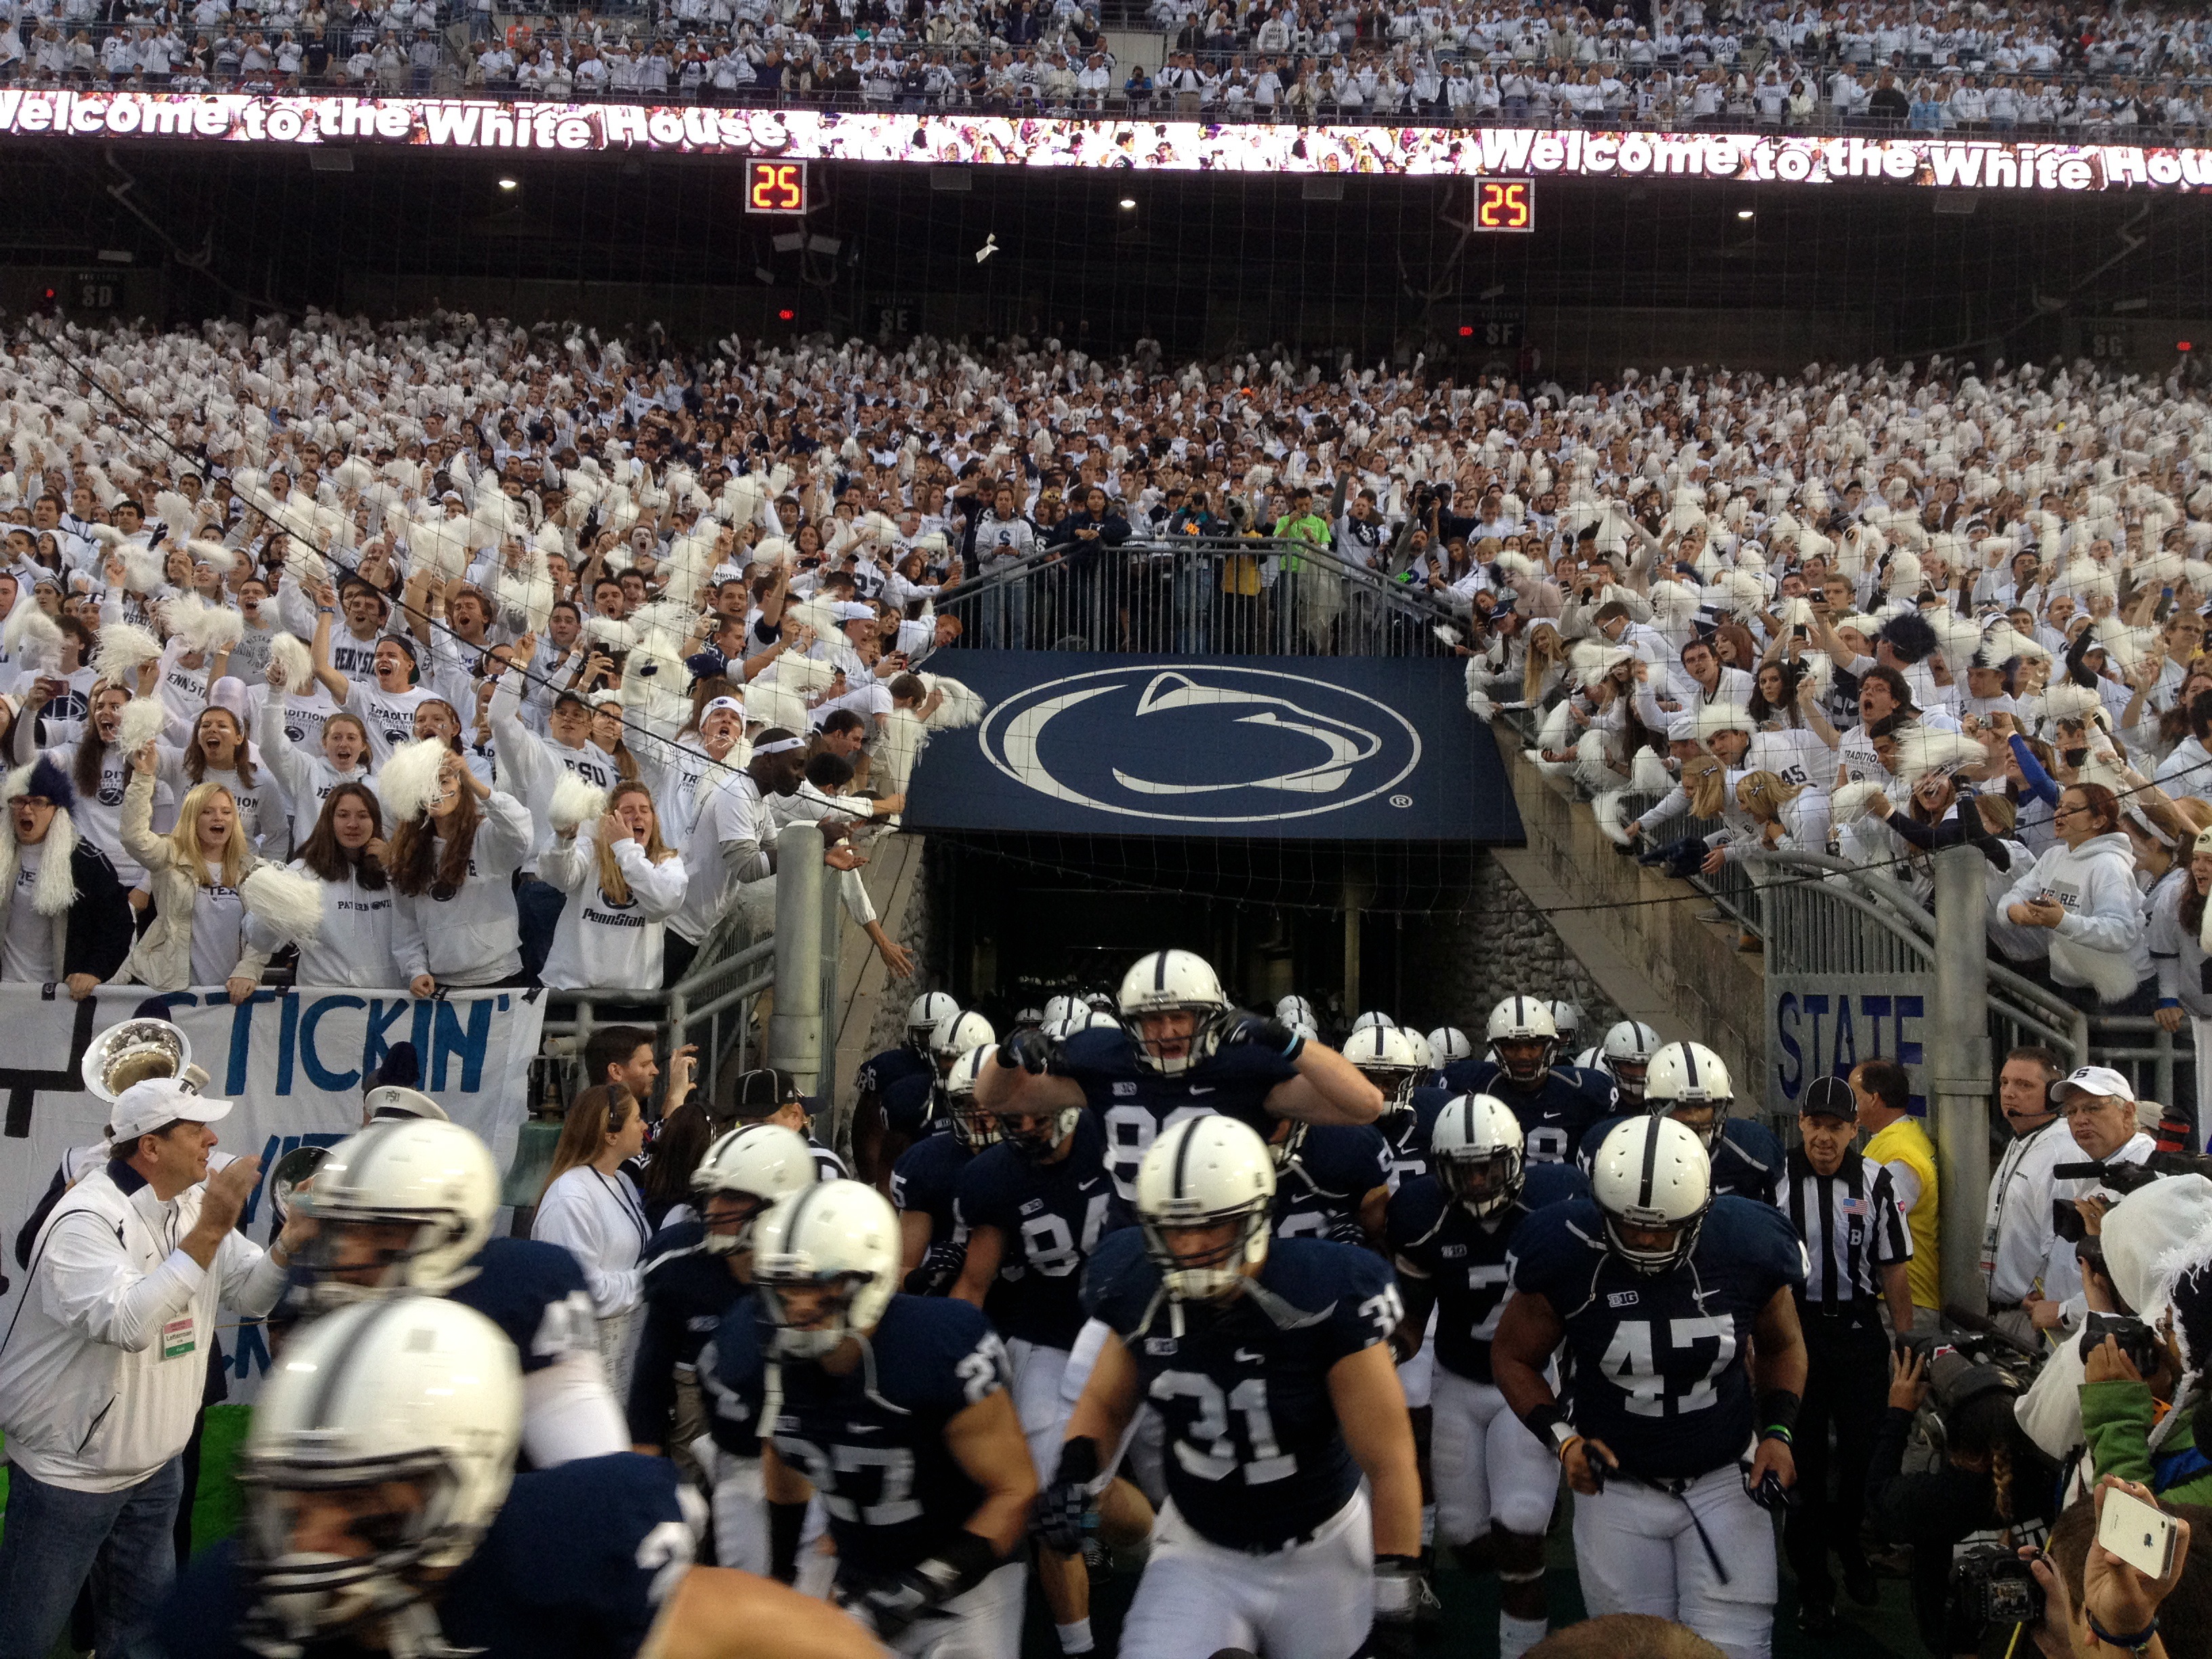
point(1856, 1245)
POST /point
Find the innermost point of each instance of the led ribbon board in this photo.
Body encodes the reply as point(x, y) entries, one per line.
point(1142, 146)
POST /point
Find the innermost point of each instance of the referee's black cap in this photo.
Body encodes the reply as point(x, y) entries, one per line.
point(1829, 1097)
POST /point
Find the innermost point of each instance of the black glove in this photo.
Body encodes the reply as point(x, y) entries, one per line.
point(941, 1266)
point(1064, 1517)
point(888, 1605)
point(1029, 1051)
point(1403, 1601)
point(1262, 1032)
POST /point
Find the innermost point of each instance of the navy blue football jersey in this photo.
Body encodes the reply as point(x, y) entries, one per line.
point(1408, 1133)
point(687, 1288)
point(575, 1566)
point(878, 1075)
point(1050, 1217)
point(925, 1179)
point(535, 1293)
point(1255, 1456)
point(1555, 1116)
point(910, 1102)
point(1659, 1373)
point(1469, 1260)
point(731, 1382)
point(1336, 1167)
point(1747, 1163)
point(1135, 1103)
point(872, 1441)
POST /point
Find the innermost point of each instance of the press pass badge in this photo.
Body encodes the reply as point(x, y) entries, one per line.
point(178, 1339)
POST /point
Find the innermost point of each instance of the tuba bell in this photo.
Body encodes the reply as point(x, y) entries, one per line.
point(133, 1052)
point(290, 1172)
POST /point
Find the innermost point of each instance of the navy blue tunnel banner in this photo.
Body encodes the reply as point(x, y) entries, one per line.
point(1309, 748)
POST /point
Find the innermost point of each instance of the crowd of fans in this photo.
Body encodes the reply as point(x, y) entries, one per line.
point(1740, 64)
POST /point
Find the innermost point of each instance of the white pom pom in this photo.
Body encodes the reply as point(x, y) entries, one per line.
point(961, 706)
point(289, 902)
point(1850, 803)
point(288, 652)
point(122, 649)
point(142, 721)
point(575, 802)
point(33, 638)
point(408, 781)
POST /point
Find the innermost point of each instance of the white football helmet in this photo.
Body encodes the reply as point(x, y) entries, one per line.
point(1206, 1172)
point(1295, 1011)
point(426, 1174)
point(1056, 1011)
point(955, 1037)
point(1651, 1173)
point(1172, 983)
point(1688, 1081)
point(1568, 1017)
point(1386, 1057)
point(412, 1389)
point(1373, 1016)
point(391, 1100)
point(974, 1127)
point(922, 1015)
point(1475, 1148)
point(1522, 1020)
point(1422, 1052)
point(1028, 1019)
point(1626, 1053)
point(760, 1162)
point(1449, 1043)
point(839, 1238)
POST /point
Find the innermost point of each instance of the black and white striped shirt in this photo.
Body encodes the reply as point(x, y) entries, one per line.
point(1849, 1225)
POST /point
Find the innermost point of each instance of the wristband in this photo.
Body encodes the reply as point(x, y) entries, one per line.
point(2133, 1642)
point(785, 1524)
point(1079, 1462)
point(1778, 1414)
point(965, 1561)
point(1549, 1424)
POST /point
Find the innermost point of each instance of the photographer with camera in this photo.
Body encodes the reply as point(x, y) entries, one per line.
point(2099, 1107)
point(1992, 1479)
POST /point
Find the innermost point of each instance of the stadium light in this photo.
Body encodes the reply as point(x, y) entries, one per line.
point(1743, 213)
point(508, 184)
point(1128, 204)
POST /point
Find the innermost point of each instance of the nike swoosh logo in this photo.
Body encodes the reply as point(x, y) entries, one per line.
point(1246, 1356)
point(1085, 1186)
point(860, 1428)
point(1196, 1090)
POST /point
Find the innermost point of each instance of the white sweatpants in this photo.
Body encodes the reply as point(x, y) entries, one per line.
point(1313, 1601)
point(1637, 1551)
point(1041, 1399)
point(1488, 1468)
point(983, 1623)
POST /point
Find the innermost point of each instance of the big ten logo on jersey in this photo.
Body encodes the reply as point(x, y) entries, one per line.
point(1817, 1028)
point(1667, 1367)
point(1130, 1132)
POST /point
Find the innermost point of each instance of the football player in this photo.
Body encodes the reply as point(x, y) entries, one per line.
point(1034, 1206)
point(1385, 1055)
point(1690, 1083)
point(932, 1241)
point(1451, 1234)
point(880, 1073)
point(383, 1516)
point(407, 1205)
point(896, 1410)
point(1448, 1045)
point(1671, 1438)
point(1268, 1361)
point(1624, 1055)
point(1335, 1185)
point(1555, 1105)
point(1182, 1052)
point(695, 1270)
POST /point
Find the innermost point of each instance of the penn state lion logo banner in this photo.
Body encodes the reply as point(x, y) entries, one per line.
point(294, 1062)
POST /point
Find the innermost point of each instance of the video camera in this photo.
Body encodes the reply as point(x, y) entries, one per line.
point(1991, 1587)
point(2122, 1178)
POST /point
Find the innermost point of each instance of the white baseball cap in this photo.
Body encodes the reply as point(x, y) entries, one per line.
point(2094, 1080)
point(156, 1103)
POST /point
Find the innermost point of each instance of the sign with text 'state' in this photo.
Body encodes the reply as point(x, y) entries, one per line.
point(1315, 748)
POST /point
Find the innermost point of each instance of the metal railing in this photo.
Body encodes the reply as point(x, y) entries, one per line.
point(711, 1006)
point(1200, 596)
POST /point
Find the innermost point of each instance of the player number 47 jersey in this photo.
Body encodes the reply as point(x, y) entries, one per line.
point(1659, 1370)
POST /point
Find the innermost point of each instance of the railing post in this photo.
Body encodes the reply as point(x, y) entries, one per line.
point(794, 1030)
point(825, 1117)
point(1959, 1079)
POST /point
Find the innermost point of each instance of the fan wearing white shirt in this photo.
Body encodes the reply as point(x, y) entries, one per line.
point(592, 1209)
point(623, 883)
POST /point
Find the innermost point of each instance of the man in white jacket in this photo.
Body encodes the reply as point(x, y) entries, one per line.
point(102, 1367)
